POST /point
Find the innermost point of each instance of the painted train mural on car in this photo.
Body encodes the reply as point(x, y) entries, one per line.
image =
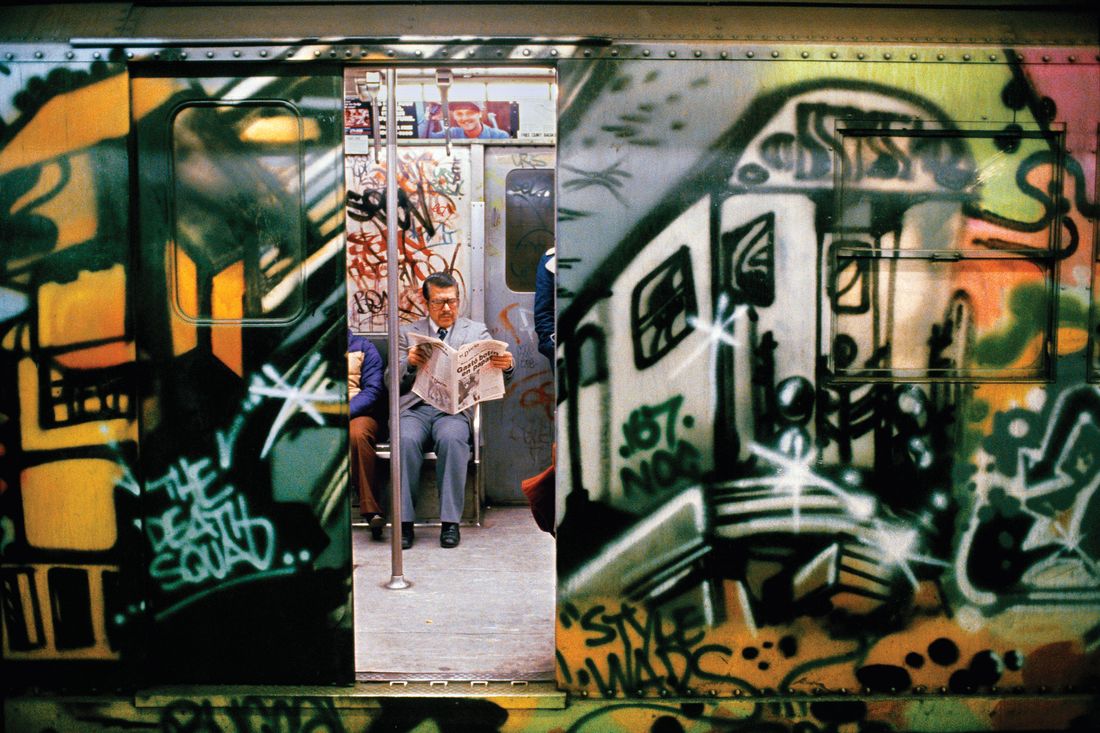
point(828, 414)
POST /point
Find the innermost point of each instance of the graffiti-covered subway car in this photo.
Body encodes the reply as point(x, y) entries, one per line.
point(826, 427)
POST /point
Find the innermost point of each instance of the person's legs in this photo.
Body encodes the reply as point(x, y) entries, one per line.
point(363, 435)
point(416, 427)
point(451, 435)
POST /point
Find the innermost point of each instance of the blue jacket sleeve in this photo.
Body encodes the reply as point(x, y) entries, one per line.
point(544, 308)
point(370, 378)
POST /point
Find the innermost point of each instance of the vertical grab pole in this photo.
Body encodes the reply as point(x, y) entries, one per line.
point(397, 576)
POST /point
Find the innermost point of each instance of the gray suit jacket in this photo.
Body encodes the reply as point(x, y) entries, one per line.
point(463, 332)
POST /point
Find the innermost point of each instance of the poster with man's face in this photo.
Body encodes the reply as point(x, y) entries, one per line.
point(469, 120)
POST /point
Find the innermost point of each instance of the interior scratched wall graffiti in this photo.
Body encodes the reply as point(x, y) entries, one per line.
point(433, 218)
point(826, 421)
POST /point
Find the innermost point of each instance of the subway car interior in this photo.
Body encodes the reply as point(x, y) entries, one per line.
point(482, 209)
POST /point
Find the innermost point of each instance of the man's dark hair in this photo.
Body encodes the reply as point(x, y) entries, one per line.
point(439, 280)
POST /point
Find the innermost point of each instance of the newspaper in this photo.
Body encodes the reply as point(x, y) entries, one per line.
point(456, 379)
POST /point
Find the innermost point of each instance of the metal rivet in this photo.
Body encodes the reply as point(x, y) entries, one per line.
point(553, 52)
point(1046, 59)
point(672, 54)
point(70, 54)
point(183, 54)
point(419, 52)
point(833, 54)
point(645, 51)
point(236, 54)
point(332, 54)
point(588, 53)
point(316, 54)
point(614, 52)
point(290, 54)
point(887, 55)
point(939, 57)
point(38, 54)
point(129, 54)
point(992, 57)
point(805, 54)
point(441, 53)
point(499, 54)
point(526, 52)
point(391, 53)
point(1073, 59)
point(861, 55)
point(723, 55)
point(966, 57)
point(912, 57)
point(750, 54)
point(263, 53)
point(775, 54)
point(1020, 57)
point(347, 53)
point(696, 54)
point(96, 55)
point(209, 54)
point(9, 56)
point(156, 54)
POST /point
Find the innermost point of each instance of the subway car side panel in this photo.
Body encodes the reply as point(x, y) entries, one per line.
point(829, 419)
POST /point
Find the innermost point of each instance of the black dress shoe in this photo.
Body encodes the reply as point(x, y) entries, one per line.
point(407, 535)
point(376, 522)
point(449, 536)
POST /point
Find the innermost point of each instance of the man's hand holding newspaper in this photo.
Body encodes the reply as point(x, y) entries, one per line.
point(456, 379)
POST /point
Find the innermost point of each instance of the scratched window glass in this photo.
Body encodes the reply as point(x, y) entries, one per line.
point(528, 224)
point(662, 307)
point(237, 212)
point(911, 279)
point(908, 318)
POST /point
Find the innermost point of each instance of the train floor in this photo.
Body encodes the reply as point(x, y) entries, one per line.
point(481, 611)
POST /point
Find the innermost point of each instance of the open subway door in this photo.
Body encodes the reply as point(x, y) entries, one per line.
point(241, 339)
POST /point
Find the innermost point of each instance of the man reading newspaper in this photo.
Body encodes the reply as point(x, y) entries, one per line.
point(437, 370)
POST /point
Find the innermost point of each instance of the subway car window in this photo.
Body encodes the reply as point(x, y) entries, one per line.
point(529, 224)
point(894, 272)
point(238, 269)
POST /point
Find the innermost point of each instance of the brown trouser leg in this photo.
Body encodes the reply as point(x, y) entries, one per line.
point(363, 435)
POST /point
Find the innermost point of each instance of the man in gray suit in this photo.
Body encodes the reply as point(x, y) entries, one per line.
point(424, 427)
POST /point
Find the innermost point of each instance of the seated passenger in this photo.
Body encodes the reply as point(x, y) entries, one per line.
point(366, 394)
point(424, 427)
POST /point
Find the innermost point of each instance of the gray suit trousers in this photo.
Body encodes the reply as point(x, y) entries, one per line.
point(425, 428)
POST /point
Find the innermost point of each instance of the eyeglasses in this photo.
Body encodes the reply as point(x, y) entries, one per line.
point(440, 302)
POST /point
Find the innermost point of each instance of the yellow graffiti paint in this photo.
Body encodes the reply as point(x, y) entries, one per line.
point(35, 604)
point(72, 208)
point(38, 436)
point(150, 94)
point(183, 284)
point(101, 108)
point(69, 505)
point(228, 305)
point(280, 130)
point(93, 308)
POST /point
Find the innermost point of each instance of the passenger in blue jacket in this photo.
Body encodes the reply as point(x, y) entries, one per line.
point(366, 394)
point(544, 304)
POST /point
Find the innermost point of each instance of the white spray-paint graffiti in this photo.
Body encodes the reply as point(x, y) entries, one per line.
point(209, 532)
point(202, 537)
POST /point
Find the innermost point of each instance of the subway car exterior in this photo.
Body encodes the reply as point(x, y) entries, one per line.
point(827, 386)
